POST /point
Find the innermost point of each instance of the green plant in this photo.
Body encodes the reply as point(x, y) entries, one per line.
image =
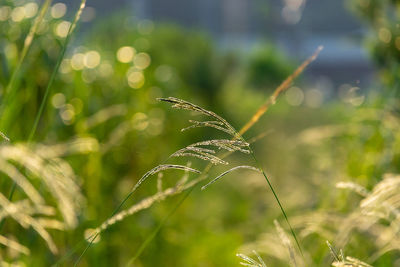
point(383, 42)
point(198, 150)
point(91, 138)
point(53, 172)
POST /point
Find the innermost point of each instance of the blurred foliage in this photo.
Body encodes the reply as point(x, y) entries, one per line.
point(382, 18)
point(105, 97)
point(106, 92)
point(267, 68)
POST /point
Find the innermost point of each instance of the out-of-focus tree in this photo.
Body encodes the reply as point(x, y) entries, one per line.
point(382, 17)
point(267, 68)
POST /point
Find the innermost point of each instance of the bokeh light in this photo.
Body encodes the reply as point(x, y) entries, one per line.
point(5, 12)
point(30, 9)
point(135, 79)
point(62, 28)
point(92, 59)
point(88, 14)
point(65, 66)
point(336, 120)
point(294, 96)
point(125, 54)
point(58, 100)
point(142, 61)
point(58, 10)
point(67, 114)
point(140, 121)
point(77, 61)
point(314, 98)
point(18, 14)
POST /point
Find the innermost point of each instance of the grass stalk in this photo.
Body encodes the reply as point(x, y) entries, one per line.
point(51, 81)
point(190, 185)
point(279, 203)
point(10, 89)
point(153, 234)
point(56, 68)
point(281, 88)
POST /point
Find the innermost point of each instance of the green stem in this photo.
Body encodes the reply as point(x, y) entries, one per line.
point(10, 89)
point(49, 85)
point(159, 226)
point(278, 201)
point(55, 71)
point(97, 233)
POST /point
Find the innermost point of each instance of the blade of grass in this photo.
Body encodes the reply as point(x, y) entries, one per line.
point(154, 233)
point(261, 111)
point(49, 85)
point(57, 66)
point(95, 235)
point(70, 252)
point(27, 44)
point(279, 203)
point(282, 87)
point(166, 193)
point(192, 184)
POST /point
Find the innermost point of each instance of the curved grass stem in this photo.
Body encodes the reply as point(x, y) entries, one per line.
point(52, 77)
point(190, 185)
point(279, 203)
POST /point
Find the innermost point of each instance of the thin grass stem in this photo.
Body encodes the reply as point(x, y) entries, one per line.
point(9, 90)
point(279, 203)
point(55, 70)
point(49, 85)
point(190, 185)
point(153, 234)
point(282, 87)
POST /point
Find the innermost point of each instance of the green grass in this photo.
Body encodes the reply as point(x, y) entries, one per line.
point(82, 135)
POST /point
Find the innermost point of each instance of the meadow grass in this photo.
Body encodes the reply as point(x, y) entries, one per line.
point(57, 175)
point(47, 163)
point(237, 143)
point(11, 86)
point(10, 90)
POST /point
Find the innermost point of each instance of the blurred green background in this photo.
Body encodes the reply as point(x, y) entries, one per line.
point(338, 122)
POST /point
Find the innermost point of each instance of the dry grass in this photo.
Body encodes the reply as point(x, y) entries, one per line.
point(44, 166)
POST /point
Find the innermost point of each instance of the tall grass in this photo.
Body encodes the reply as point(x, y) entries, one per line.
point(202, 150)
point(56, 68)
point(10, 90)
point(47, 164)
point(11, 86)
point(361, 217)
point(56, 174)
point(376, 215)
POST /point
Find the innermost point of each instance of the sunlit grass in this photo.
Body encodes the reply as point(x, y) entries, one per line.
point(78, 137)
